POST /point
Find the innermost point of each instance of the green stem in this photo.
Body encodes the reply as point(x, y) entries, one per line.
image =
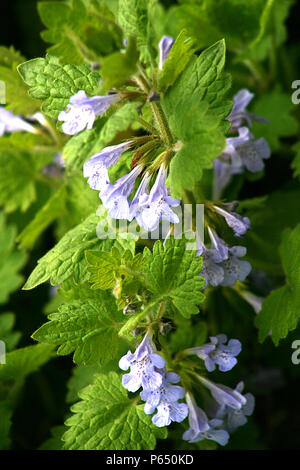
point(162, 122)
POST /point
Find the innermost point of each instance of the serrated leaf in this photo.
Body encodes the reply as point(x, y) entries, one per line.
point(88, 328)
point(280, 310)
point(107, 419)
point(81, 31)
point(120, 66)
point(172, 271)
point(66, 259)
point(195, 106)
point(179, 56)
point(54, 83)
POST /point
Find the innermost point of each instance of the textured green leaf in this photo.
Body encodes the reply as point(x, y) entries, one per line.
point(67, 257)
point(80, 30)
point(119, 67)
point(195, 106)
point(107, 419)
point(90, 328)
point(54, 83)
point(178, 59)
point(172, 272)
point(280, 310)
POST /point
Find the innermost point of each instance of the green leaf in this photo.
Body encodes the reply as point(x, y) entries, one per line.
point(24, 361)
point(53, 208)
point(195, 106)
point(179, 56)
point(90, 328)
point(10, 338)
point(133, 18)
point(81, 31)
point(5, 424)
point(12, 260)
point(22, 156)
point(9, 56)
point(107, 419)
point(120, 66)
point(16, 93)
point(54, 83)
point(54, 442)
point(80, 147)
point(280, 310)
point(172, 271)
point(67, 257)
point(277, 107)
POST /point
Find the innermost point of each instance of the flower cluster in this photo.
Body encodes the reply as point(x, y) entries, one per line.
point(217, 353)
point(221, 264)
point(241, 151)
point(147, 370)
point(227, 408)
point(148, 206)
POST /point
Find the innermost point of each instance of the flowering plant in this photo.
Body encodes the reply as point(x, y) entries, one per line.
point(136, 176)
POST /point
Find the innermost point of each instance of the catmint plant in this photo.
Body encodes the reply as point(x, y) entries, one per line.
point(145, 179)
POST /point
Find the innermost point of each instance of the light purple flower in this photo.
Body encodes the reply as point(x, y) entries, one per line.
point(239, 224)
point(223, 172)
point(82, 111)
point(115, 196)
point(202, 428)
point(165, 45)
point(12, 123)
point(217, 353)
point(95, 169)
point(143, 364)
point(224, 395)
point(244, 151)
point(238, 113)
point(234, 268)
point(212, 272)
point(235, 418)
point(165, 400)
point(157, 206)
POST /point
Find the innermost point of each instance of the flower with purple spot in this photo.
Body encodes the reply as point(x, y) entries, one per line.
point(82, 111)
point(157, 206)
point(143, 364)
point(165, 400)
point(234, 268)
point(217, 353)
